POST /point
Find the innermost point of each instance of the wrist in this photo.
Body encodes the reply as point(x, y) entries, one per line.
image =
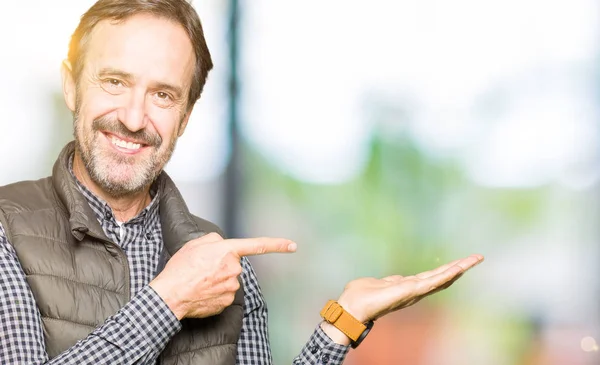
point(335, 334)
point(175, 305)
point(361, 317)
point(353, 330)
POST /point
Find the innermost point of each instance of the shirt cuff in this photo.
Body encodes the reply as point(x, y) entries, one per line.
point(321, 350)
point(153, 317)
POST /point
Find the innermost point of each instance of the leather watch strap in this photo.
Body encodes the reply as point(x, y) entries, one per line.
point(333, 313)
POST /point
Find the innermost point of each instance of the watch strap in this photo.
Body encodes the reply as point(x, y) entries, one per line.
point(335, 314)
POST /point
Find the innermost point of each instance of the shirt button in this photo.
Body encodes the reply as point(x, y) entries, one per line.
point(325, 359)
point(107, 216)
point(314, 349)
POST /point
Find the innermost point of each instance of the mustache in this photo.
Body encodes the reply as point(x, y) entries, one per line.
point(116, 127)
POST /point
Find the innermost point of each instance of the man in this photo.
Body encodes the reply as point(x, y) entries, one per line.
point(102, 263)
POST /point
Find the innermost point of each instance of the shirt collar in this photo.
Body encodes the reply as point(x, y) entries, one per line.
point(104, 212)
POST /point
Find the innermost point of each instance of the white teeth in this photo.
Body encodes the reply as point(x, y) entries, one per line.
point(124, 144)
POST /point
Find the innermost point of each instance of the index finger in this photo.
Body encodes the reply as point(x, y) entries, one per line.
point(261, 245)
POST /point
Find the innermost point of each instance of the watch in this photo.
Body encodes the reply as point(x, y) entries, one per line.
point(356, 331)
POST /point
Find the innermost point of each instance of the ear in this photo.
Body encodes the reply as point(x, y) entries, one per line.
point(69, 85)
point(185, 121)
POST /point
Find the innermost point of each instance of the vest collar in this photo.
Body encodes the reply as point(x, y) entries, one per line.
point(82, 219)
point(178, 224)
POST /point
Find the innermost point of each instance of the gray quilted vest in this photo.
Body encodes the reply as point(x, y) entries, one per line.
point(79, 277)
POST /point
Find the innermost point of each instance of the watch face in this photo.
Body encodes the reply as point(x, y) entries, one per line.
point(362, 336)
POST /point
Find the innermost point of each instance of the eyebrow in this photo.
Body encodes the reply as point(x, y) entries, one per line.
point(109, 71)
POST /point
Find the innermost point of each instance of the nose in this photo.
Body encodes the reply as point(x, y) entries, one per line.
point(133, 113)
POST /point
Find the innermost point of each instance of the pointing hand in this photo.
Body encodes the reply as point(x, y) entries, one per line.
point(201, 279)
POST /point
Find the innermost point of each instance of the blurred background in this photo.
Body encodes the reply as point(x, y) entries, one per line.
point(385, 137)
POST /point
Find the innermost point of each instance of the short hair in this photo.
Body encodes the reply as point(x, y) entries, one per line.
point(179, 11)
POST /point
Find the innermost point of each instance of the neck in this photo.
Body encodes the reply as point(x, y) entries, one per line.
point(124, 208)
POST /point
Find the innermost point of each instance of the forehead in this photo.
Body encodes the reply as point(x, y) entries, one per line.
point(149, 47)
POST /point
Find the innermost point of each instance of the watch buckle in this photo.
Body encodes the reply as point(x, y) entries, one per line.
point(332, 311)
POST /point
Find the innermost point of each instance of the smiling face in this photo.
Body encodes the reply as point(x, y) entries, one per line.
point(130, 101)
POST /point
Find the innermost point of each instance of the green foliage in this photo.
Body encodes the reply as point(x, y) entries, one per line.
point(406, 211)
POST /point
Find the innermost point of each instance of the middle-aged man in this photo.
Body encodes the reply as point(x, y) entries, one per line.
point(102, 263)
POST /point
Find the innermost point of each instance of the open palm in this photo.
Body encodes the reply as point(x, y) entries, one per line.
point(370, 298)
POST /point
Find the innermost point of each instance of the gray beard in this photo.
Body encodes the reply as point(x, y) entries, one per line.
point(100, 164)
